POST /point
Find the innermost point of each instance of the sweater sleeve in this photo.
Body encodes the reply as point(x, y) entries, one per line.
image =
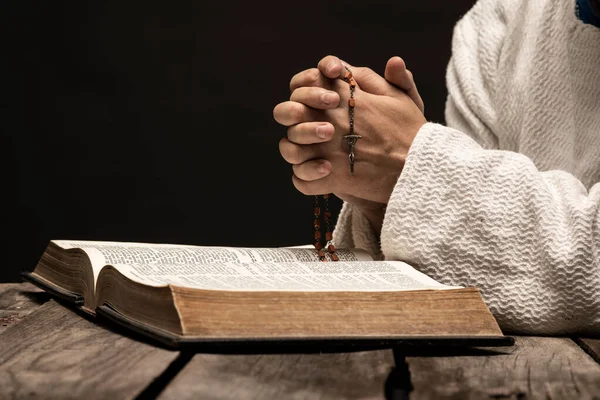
point(468, 214)
point(529, 240)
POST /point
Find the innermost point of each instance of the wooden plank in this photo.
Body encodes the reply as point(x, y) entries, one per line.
point(18, 300)
point(591, 346)
point(56, 354)
point(536, 367)
point(283, 376)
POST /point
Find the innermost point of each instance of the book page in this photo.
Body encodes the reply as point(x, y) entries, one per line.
point(361, 276)
point(148, 253)
point(103, 253)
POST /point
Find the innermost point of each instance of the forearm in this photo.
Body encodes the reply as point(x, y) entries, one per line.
point(474, 217)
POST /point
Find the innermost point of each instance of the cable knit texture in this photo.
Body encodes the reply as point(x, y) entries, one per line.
point(507, 197)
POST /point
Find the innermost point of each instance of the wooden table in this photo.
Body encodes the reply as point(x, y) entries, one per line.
point(48, 351)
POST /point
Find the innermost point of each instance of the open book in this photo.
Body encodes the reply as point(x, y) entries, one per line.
point(178, 293)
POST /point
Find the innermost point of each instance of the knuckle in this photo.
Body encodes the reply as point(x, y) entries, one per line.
point(293, 82)
point(291, 153)
point(303, 94)
point(368, 71)
point(282, 143)
point(296, 134)
point(296, 111)
point(277, 112)
point(295, 94)
point(309, 77)
point(365, 72)
point(297, 169)
point(302, 186)
point(291, 133)
point(312, 77)
point(327, 61)
point(296, 155)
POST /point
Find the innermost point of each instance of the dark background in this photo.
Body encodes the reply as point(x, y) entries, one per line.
point(152, 121)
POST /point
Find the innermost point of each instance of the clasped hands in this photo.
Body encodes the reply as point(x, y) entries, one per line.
point(388, 114)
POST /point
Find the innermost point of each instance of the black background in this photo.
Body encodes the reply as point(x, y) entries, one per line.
point(152, 121)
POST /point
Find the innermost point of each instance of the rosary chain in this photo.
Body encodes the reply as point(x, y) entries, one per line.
point(331, 251)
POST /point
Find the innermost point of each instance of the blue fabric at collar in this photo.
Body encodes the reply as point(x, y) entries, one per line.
point(586, 13)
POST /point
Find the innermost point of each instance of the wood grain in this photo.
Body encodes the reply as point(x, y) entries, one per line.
point(359, 375)
point(55, 353)
point(536, 367)
point(591, 346)
point(18, 300)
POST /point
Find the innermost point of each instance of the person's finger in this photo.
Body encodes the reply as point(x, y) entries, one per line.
point(294, 153)
point(310, 132)
point(397, 74)
point(366, 79)
point(316, 97)
point(291, 113)
point(312, 170)
point(309, 78)
point(331, 67)
point(319, 186)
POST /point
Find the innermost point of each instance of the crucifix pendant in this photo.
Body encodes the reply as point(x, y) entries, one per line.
point(351, 140)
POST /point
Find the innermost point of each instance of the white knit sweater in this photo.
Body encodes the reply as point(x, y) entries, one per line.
point(508, 198)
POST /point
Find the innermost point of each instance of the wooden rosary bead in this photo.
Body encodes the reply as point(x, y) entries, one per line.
point(349, 79)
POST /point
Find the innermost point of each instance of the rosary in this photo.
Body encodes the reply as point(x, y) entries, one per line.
point(351, 138)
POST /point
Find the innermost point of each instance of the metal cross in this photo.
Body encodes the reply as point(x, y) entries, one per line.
point(351, 140)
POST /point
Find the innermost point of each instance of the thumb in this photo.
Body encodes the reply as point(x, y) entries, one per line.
point(397, 74)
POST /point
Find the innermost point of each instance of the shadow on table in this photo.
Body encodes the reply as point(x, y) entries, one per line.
point(36, 297)
point(397, 384)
